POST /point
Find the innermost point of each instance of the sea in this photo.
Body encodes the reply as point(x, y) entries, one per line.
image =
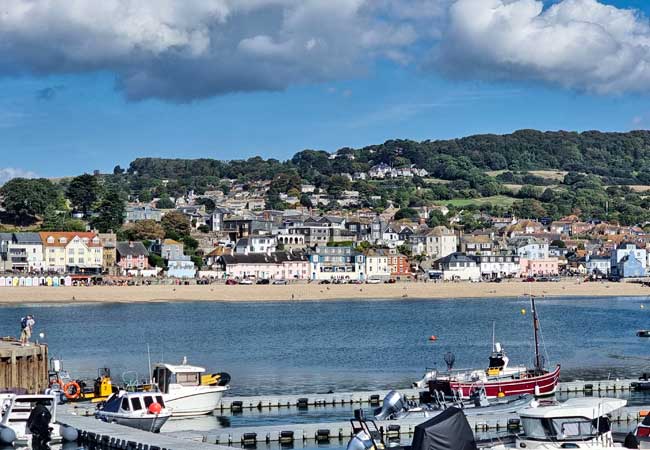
point(341, 345)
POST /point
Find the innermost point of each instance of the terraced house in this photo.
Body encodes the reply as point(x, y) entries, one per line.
point(72, 252)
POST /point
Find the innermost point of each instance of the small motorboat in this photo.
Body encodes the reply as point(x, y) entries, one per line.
point(187, 391)
point(15, 410)
point(142, 410)
point(395, 406)
point(642, 385)
point(643, 333)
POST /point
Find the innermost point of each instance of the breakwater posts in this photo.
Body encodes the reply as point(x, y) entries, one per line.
point(374, 398)
point(98, 435)
point(342, 431)
point(22, 369)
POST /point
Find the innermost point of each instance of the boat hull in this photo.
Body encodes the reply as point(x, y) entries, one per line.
point(194, 403)
point(147, 423)
point(541, 385)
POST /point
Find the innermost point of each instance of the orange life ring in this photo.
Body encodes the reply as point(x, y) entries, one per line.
point(74, 393)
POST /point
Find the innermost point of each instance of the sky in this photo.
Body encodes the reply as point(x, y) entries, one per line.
point(87, 85)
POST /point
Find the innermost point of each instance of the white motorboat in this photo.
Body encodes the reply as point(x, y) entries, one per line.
point(186, 391)
point(143, 410)
point(575, 423)
point(15, 410)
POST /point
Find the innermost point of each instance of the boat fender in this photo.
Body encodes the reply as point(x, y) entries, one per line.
point(7, 435)
point(68, 434)
point(155, 408)
point(72, 390)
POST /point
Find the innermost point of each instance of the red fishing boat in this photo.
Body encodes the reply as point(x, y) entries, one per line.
point(499, 379)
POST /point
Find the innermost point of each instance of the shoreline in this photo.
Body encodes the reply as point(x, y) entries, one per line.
point(313, 292)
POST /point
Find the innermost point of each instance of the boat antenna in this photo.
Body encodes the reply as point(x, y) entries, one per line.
point(538, 358)
point(149, 360)
point(494, 349)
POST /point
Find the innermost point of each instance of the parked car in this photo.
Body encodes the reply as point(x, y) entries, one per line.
point(391, 281)
point(246, 281)
point(373, 281)
point(263, 281)
point(556, 279)
point(355, 282)
point(529, 280)
point(324, 282)
point(544, 279)
point(280, 282)
point(231, 282)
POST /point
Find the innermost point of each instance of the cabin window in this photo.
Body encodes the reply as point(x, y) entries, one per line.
point(187, 378)
point(160, 401)
point(148, 401)
point(125, 404)
point(137, 405)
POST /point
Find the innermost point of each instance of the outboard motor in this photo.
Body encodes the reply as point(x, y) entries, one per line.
point(393, 403)
point(361, 441)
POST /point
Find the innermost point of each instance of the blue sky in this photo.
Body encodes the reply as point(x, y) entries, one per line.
point(59, 121)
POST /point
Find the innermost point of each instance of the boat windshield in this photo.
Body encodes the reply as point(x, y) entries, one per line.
point(564, 428)
point(187, 378)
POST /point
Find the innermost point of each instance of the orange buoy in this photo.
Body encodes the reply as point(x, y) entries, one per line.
point(72, 390)
point(433, 337)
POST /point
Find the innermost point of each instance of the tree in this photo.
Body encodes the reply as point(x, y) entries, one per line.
point(176, 225)
point(436, 219)
point(117, 170)
point(144, 230)
point(110, 212)
point(26, 198)
point(83, 192)
point(306, 201)
point(407, 213)
point(165, 203)
point(558, 243)
point(338, 184)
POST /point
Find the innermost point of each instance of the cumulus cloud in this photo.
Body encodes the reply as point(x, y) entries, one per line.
point(578, 44)
point(181, 50)
point(7, 173)
point(186, 49)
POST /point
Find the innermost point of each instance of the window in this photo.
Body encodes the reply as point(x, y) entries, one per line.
point(137, 405)
point(125, 404)
point(187, 378)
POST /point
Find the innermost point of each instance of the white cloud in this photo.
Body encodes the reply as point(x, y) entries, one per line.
point(578, 44)
point(186, 49)
point(7, 173)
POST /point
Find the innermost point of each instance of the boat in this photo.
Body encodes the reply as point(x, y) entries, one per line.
point(575, 423)
point(643, 333)
point(396, 407)
point(499, 379)
point(186, 391)
point(15, 410)
point(142, 410)
point(643, 384)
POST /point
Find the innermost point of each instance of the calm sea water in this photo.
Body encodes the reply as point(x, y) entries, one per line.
point(340, 345)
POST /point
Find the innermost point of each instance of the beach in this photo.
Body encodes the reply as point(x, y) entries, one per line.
point(314, 291)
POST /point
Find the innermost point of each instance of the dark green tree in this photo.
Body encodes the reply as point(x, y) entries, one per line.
point(83, 192)
point(110, 212)
point(176, 225)
point(24, 198)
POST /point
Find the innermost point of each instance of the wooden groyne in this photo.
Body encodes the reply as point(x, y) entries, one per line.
point(23, 369)
point(301, 401)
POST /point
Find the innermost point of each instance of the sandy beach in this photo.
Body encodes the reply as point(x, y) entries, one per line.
point(297, 292)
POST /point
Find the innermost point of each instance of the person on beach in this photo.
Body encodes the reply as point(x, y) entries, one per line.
point(27, 325)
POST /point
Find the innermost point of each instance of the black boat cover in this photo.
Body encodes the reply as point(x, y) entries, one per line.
point(448, 430)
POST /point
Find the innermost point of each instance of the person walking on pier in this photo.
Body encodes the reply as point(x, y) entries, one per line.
point(27, 325)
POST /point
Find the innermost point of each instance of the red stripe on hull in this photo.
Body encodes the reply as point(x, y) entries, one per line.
point(546, 385)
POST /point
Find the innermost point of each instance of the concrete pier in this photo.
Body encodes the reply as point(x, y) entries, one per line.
point(23, 368)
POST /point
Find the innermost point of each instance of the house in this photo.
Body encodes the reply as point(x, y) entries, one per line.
point(441, 242)
point(529, 247)
point(72, 252)
point(332, 263)
point(25, 252)
point(379, 171)
point(132, 256)
point(598, 265)
point(290, 239)
point(542, 266)
point(377, 264)
point(498, 266)
point(214, 220)
point(5, 261)
point(255, 244)
point(181, 267)
point(109, 254)
point(628, 255)
point(138, 213)
point(400, 266)
point(457, 267)
point(477, 244)
point(238, 227)
point(171, 250)
point(285, 265)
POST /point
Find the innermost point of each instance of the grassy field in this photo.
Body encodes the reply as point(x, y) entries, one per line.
point(500, 200)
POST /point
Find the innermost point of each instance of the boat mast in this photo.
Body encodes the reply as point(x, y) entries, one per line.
point(538, 358)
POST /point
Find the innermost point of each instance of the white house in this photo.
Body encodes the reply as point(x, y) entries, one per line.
point(256, 244)
point(25, 252)
point(458, 267)
point(377, 264)
point(530, 248)
point(498, 266)
point(440, 242)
